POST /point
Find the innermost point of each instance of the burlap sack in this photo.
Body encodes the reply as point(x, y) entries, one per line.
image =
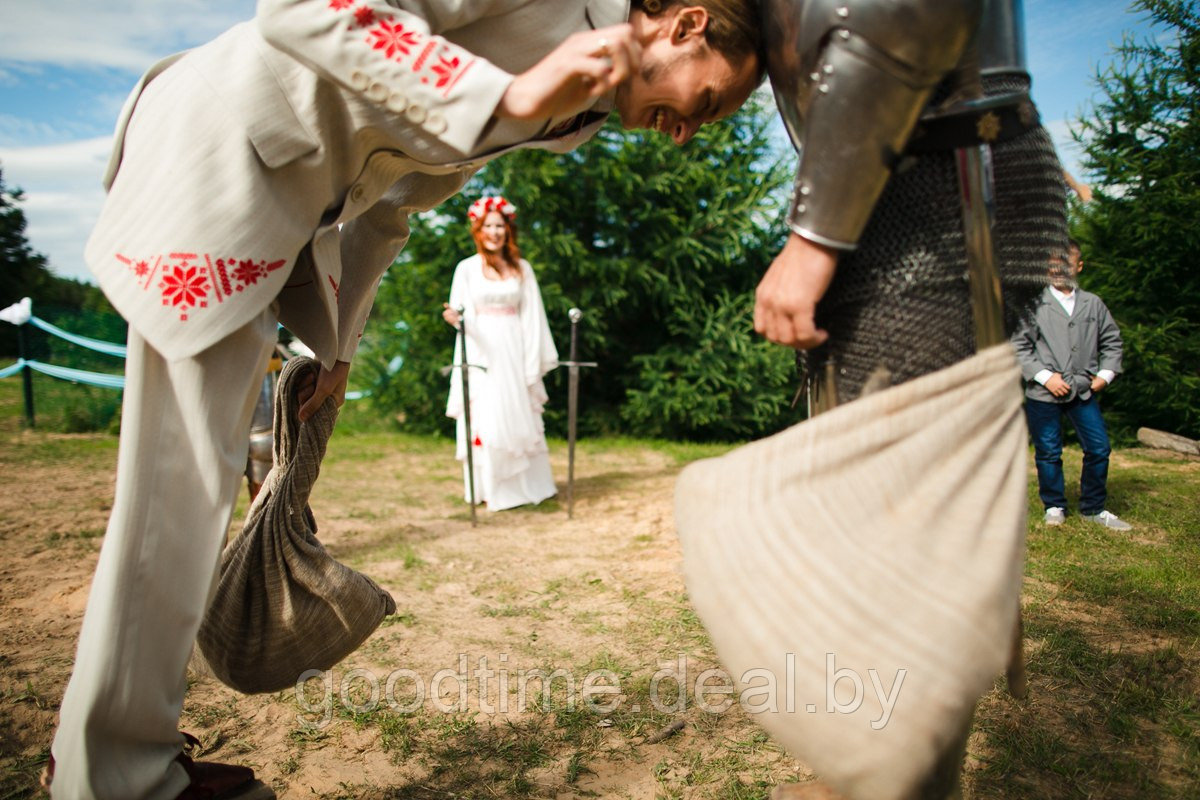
point(283, 605)
point(885, 535)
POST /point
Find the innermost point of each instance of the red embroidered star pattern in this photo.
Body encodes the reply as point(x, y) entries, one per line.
point(436, 61)
point(364, 17)
point(191, 281)
point(446, 68)
point(184, 287)
point(392, 39)
point(248, 272)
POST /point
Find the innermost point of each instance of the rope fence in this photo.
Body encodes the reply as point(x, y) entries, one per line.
point(21, 314)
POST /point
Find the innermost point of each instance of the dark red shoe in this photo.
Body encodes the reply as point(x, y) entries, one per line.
point(211, 781)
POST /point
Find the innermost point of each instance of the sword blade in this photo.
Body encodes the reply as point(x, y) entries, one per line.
point(466, 391)
point(572, 411)
point(978, 200)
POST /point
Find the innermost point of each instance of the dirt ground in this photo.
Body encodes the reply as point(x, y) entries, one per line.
point(527, 589)
point(530, 590)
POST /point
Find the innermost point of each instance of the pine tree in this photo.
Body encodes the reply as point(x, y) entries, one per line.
point(21, 269)
point(76, 305)
point(1140, 236)
point(660, 246)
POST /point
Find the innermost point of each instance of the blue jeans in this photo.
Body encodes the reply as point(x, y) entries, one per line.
point(1045, 427)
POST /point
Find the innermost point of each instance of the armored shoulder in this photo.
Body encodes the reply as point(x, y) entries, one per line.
point(850, 79)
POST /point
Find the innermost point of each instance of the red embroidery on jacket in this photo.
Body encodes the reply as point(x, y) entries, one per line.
point(334, 284)
point(184, 286)
point(439, 63)
point(421, 59)
point(448, 70)
point(364, 17)
point(392, 39)
point(248, 271)
point(141, 269)
point(189, 280)
point(223, 276)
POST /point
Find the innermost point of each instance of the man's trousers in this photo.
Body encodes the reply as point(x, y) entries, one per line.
point(1045, 428)
point(184, 438)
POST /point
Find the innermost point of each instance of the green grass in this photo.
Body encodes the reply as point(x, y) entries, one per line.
point(1113, 635)
point(19, 777)
point(1151, 576)
point(463, 754)
point(1113, 643)
point(58, 406)
point(680, 452)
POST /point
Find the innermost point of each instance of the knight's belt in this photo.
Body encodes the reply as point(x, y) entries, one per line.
point(987, 121)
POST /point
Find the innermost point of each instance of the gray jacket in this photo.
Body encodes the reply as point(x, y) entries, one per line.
point(1076, 346)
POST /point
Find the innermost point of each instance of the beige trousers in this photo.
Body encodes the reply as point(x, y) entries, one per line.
point(184, 437)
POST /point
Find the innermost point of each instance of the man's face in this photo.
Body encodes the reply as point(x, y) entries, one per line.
point(681, 86)
point(1064, 270)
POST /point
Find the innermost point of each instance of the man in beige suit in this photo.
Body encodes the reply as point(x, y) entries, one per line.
point(268, 176)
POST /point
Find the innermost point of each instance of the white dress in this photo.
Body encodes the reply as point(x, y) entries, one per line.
point(507, 334)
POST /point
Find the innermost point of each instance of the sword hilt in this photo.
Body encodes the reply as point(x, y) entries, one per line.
point(446, 370)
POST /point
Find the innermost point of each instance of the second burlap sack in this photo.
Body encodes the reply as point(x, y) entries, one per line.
point(860, 573)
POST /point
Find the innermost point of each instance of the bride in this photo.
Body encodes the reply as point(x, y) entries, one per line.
point(507, 335)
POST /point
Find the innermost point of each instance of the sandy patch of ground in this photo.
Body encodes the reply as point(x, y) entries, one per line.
point(525, 590)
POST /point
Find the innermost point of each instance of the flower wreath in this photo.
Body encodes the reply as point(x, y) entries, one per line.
point(486, 204)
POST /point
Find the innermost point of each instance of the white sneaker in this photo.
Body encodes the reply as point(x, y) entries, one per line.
point(1109, 520)
point(1055, 516)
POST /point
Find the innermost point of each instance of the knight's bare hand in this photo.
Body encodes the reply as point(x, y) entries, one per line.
point(585, 66)
point(786, 300)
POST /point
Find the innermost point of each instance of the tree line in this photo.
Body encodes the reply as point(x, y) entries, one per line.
point(661, 247)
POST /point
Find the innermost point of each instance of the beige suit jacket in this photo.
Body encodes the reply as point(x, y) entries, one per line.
point(279, 162)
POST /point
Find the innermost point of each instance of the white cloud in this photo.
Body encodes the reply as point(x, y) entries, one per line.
point(20, 129)
point(125, 34)
point(61, 182)
point(62, 199)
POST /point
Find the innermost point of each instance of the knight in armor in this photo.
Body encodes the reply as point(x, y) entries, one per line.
point(883, 101)
point(879, 98)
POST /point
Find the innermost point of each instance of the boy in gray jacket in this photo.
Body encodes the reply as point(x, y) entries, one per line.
point(1069, 352)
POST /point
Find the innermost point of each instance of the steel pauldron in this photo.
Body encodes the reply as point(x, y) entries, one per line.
point(852, 79)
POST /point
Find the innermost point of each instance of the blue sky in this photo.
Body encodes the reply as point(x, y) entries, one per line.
point(66, 67)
